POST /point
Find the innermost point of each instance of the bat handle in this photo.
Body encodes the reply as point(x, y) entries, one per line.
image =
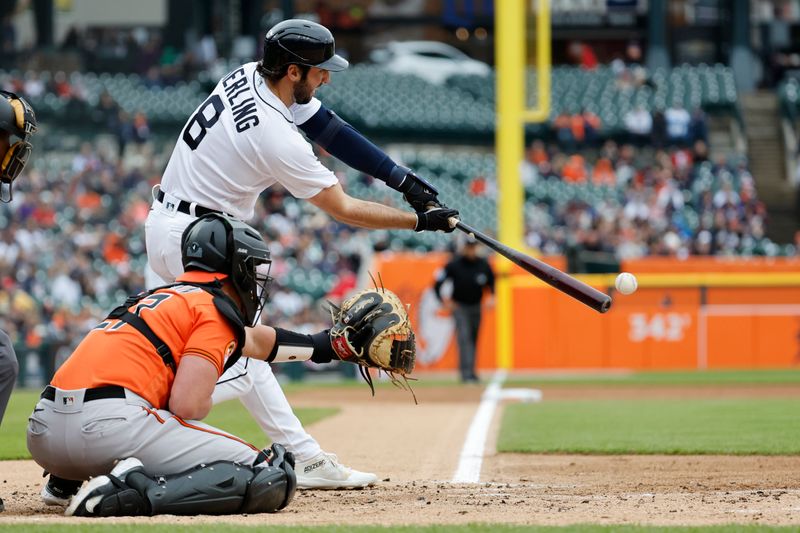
point(453, 222)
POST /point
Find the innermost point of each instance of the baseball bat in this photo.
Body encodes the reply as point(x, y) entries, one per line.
point(561, 281)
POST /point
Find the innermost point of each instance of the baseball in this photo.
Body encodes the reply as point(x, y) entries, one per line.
point(626, 283)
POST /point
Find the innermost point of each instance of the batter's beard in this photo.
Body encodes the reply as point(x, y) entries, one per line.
point(303, 91)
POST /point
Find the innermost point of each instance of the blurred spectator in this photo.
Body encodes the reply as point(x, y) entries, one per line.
point(582, 55)
point(34, 86)
point(639, 125)
point(681, 159)
point(677, 122)
point(106, 112)
point(141, 128)
point(700, 152)
point(62, 87)
point(603, 173)
point(574, 171)
point(124, 131)
point(537, 153)
point(562, 126)
point(629, 72)
point(659, 136)
point(586, 128)
point(152, 78)
point(698, 127)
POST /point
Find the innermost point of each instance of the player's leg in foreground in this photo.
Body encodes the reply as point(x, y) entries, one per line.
point(9, 368)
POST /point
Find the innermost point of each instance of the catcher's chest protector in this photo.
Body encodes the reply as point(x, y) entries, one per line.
point(221, 301)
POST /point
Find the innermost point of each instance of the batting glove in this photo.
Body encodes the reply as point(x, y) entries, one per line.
point(436, 219)
point(417, 191)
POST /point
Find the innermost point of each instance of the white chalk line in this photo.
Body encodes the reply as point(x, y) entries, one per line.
point(471, 458)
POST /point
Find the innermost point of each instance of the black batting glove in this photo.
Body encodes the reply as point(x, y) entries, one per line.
point(418, 192)
point(436, 219)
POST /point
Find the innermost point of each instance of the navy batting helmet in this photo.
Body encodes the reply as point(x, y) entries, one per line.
point(300, 42)
point(218, 243)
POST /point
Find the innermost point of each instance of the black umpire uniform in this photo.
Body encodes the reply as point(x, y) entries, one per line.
point(470, 275)
point(17, 124)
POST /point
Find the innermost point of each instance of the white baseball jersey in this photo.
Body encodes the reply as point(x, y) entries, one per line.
point(241, 140)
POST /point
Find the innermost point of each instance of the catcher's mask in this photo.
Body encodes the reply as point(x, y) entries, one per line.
point(218, 243)
point(18, 119)
point(301, 42)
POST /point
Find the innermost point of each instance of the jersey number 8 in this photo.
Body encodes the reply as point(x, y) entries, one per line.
point(202, 121)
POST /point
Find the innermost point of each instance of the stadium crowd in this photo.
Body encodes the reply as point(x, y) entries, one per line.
point(72, 241)
point(675, 202)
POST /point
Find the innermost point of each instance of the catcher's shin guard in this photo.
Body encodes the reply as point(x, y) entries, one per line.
point(221, 487)
point(214, 488)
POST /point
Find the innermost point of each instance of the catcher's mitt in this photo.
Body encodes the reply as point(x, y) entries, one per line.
point(372, 329)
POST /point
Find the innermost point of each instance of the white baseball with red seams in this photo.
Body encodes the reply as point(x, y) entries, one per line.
point(626, 283)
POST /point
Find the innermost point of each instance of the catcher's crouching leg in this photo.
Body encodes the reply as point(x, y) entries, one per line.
point(221, 487)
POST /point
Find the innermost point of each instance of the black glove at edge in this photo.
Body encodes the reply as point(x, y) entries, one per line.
point(436, 219)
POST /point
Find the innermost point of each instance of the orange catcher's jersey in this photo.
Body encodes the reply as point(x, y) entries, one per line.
point(114, 353)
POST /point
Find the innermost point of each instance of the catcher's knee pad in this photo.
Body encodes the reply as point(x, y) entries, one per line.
point(273, 485)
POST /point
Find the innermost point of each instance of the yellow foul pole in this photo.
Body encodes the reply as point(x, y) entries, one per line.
point(511, 115)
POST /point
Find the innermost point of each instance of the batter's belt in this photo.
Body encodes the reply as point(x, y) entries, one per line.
point(188, 208)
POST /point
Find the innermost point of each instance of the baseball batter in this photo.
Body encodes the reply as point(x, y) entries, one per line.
point(17, 120)
point(247, 136)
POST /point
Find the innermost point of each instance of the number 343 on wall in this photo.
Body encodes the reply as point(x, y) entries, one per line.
point(667, 327)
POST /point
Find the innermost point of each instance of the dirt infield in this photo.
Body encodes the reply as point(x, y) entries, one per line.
point(415, 450)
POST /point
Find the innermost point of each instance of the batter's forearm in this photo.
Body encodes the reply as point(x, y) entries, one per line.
point(371, 215)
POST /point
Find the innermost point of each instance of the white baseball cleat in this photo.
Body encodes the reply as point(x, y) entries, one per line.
point(325, 472)
point(59, 491)
point(107, 495)
point(51, 499)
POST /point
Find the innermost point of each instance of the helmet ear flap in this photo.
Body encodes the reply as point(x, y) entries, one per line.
point(201, 247)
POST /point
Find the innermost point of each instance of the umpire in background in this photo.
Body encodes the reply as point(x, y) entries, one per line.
point(470, 275)
point(17, 124)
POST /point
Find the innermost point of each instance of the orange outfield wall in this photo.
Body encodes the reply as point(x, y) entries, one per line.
point(733, 318)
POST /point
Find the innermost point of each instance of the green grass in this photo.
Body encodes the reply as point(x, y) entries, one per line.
point(751, 426)
point(15, 422)
point(468, 528)
point(230, 416)
point(709, 377)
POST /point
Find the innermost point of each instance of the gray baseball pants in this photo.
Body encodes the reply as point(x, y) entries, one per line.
point(9, 368)
point(74, 439)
